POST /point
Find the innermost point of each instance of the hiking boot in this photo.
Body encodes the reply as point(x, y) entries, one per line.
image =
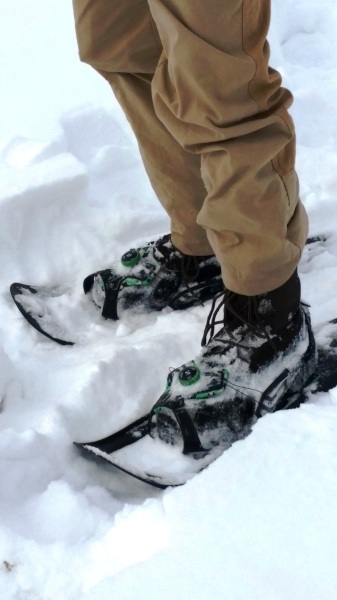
point(154, 277)
point(257, 363)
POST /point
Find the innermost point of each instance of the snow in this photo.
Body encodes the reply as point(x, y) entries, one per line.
point(260, 522)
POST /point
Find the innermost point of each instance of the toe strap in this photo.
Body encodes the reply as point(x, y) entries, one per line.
point(160, 416)
point(112, 286)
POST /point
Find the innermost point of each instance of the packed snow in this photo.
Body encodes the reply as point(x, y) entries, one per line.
point(261, 521)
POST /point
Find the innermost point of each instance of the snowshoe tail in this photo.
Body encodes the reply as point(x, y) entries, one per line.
point(29, 301)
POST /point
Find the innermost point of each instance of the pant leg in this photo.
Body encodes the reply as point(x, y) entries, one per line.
point(215, 93)
point(119, 39)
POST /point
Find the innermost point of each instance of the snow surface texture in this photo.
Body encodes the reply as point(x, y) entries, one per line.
point(260, 522)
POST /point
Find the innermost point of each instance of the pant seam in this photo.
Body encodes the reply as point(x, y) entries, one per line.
point(283, 182)
point(251, 57)
point(252, 79)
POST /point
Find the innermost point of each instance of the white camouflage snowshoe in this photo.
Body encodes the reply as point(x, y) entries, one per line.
point(154, 277)
point(257, 363)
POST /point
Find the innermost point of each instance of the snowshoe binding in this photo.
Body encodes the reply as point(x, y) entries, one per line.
point(154, 277)
point(257, 363)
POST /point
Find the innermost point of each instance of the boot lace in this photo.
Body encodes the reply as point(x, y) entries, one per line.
point(187, 266)
point(247, 315)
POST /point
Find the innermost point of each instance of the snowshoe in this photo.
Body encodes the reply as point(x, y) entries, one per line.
point(262, 360)
point(50, 309)
point(154, 277)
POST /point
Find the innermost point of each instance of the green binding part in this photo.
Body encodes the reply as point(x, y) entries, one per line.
point(203, 395)
point(189, 375)
point(137, 281)
point(100, 283)
point(139, 278)
point(130, 258)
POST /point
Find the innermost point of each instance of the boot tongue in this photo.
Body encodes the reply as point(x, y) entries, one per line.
point(173, 260)
point(166, 254)
point(238, 310)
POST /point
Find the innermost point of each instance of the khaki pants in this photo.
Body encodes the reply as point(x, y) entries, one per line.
point(212, 125)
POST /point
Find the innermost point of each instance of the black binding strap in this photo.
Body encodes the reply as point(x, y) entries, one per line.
point(190, 436)
point(112, 285)
point(191, 441)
